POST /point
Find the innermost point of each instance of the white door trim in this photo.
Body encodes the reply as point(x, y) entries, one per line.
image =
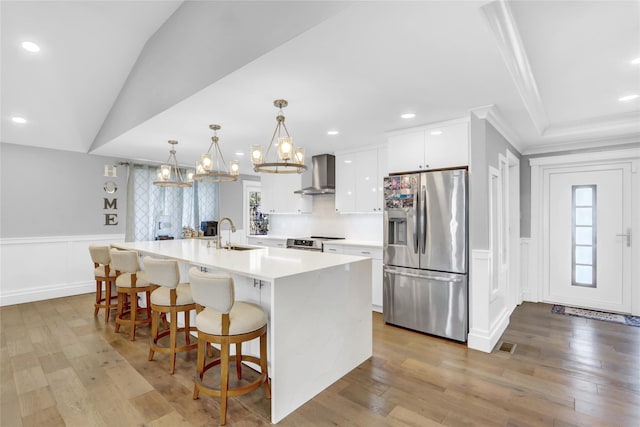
point(538, 168)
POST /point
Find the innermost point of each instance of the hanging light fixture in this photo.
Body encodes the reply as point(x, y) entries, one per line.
point(211, 167)
point(289, 158)
point(169, 174)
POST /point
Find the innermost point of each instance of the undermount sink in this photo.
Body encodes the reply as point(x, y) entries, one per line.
point(240, 248)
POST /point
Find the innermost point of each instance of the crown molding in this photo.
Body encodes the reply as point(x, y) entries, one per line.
point(619, 124)
point(491, 113)
point(584, 144)
point(501, 22)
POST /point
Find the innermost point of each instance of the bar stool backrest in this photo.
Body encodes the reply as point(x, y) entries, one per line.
point(163, 272)
point(100, 254)
point(214, 291)
point(125, 261)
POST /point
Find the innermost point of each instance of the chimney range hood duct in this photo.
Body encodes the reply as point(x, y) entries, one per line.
point(323, 176)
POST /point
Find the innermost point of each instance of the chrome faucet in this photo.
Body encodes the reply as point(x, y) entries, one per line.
point(233, 229)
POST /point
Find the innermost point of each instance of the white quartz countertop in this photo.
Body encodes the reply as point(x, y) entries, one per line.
point(261, 263)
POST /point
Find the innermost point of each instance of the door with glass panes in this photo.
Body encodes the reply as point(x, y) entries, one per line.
point(587, 240)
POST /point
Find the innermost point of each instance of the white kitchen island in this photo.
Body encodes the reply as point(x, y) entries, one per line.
point(319, 308)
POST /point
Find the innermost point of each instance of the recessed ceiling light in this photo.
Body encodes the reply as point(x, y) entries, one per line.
point(333, 132)
point(408, 115)
point(436, 132)
point(30, 47)
point(19, 120)
point(636, 61)
point(628, 98)
point(347, 161)
point(239, 153)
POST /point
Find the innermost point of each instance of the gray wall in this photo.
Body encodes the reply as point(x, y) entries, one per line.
point(47, 192)
point(486, 144)
point(231, 199)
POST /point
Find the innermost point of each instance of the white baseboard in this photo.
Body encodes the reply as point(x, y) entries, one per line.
point(40, 268)
point(485, 340)
point(46, 292)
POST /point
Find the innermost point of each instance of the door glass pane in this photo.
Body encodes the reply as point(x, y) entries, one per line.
point(584, 274)
point(584, 216)
point(584, 196)
point(584, 235)
point(584, 255)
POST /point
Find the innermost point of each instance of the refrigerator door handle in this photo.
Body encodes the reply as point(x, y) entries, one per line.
point(416, 234)
point(423, 218)
point(423, 276)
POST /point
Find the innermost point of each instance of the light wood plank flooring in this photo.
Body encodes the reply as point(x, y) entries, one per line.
point(61, 366)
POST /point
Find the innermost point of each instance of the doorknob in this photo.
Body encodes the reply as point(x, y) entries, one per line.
point(628, 236)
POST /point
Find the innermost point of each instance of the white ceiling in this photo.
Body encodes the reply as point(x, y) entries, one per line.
point(552, 70)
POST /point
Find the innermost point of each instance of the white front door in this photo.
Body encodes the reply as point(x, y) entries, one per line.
point(587, 213)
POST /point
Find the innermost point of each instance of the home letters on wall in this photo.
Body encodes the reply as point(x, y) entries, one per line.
point(110, 187)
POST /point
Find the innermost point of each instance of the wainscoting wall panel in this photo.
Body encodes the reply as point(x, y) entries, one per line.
point(34, 269)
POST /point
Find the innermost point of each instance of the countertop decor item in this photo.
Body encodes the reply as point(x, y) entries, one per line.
point(289, 159)
point(169, 174)
point(211, 167)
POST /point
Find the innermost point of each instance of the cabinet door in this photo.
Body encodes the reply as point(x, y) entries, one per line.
point(278, 194)
point(383, 170)
point(376, 271)
point(447, 146)
point(367, 181)
point(406, 152)
point(345, 182)
point(267, 189)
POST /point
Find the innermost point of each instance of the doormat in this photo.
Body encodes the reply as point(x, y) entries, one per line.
point(624, 319)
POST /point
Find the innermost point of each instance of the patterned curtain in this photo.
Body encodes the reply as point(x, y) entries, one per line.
point(161, 211)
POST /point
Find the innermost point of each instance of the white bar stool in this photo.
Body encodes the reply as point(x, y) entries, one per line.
point(223, 320)
point(104, 274)
point(170, 297)
point(130, 280)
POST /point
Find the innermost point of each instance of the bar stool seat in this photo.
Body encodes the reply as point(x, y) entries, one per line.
point(170, 297)
point(130, 280)
point(105, 276)
point(222, 320)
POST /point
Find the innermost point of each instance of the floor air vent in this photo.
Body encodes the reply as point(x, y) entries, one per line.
point(507, 347)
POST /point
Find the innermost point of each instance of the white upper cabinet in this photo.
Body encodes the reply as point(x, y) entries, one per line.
point(437, 146)
point(278, 194)
point(359, 176)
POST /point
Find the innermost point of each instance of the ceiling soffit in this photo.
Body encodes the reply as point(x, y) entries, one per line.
point(199, 44)
point(614, 129)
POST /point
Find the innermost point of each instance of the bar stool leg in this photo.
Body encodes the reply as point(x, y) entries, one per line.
point(119, 310)
point(224, 378)
point(239, 360)
point(98, 297)
point(155, 319)
point(173, 332)
point(107, 302)
point(134, 312)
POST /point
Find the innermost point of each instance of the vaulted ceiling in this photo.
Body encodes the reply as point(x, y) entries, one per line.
point(122, 78)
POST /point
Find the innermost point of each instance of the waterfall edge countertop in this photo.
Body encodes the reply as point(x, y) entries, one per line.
point(265, 263)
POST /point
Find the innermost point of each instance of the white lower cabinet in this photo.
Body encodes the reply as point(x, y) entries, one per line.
point(375, 253)
point(267, 241)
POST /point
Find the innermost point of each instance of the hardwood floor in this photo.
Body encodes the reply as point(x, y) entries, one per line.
point(61, 366)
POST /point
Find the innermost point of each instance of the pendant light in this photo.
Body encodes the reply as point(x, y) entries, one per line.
point(287, 158)
point(211, 167)
point(169, 174)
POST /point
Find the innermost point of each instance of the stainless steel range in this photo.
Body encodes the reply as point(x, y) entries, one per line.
point(313, 243)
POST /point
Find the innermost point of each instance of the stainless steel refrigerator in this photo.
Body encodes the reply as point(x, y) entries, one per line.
point(425, 252)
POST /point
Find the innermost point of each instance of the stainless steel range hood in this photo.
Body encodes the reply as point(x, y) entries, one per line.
point(323, 176)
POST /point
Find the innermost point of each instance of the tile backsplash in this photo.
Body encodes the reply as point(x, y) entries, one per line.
point(325, 221)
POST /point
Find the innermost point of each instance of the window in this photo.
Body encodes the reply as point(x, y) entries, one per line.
point(583, 236)
point(160, 211)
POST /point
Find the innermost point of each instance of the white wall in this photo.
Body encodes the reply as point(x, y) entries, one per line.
point(325, 221)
